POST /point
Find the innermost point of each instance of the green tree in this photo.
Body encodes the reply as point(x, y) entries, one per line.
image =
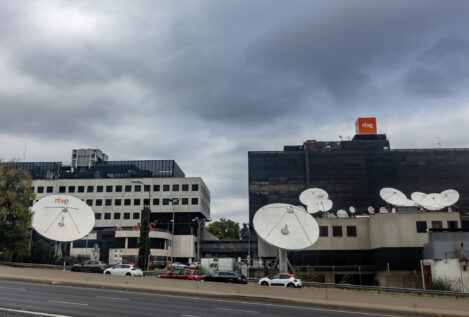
point(244, 233)
point(43, 252)
point(15, 217)
point(224, 229)
point(144, 240)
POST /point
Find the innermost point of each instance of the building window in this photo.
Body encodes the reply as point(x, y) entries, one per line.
point(195, 187)
point(117, 215)
point(175, 188)
point(50, 189)
point(175, 201)
point(156, 188)
point(136, 215)
point(166, 188)
point(156, 201)
point(126, 202)
point(146, 188)
point(351, 231)
point(109, 189)
point(126, 215)
point(40, 189)
point(166, 201)
point(81, 189)
point(90, 189)
point(421, 226)
point(128, 188)
point(108, 202)
point(89, 202)
point(136, 202)
point(99, 189)
point(118, 188)
point(62, 189)
point(107, 215)
point(117, 202)
point(137, 188)
point(337, 231)
point(71, 189)
point(97, 216)
point(437, 224)
point(452, 225)
point(185, 188)
point(194, 201)
point(323, 231)
point(146, 202)
point(99, 202)
point(185, 201)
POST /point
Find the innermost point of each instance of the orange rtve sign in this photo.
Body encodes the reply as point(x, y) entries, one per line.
point(366, 126)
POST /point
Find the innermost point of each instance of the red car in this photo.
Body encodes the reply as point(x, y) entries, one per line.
point(185, 274)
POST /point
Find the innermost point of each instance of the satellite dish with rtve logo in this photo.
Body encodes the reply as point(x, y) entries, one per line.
point(62, 218)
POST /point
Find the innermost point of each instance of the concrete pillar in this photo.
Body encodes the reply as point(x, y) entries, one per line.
point(283, 260)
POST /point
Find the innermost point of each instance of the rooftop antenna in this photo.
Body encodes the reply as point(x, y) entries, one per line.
point(438, 142)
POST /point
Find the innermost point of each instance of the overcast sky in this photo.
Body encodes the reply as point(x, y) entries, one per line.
point(204, 82)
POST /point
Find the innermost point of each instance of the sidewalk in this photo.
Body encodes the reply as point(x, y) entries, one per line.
point(326, 297)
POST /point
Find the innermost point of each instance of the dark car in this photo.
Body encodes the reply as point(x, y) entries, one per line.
point(227, 277)
point(90, 266)
point(157, 265)
point(186, 274)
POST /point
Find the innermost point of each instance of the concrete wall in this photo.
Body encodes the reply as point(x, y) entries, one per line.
point(184, 246)
point(450, 270)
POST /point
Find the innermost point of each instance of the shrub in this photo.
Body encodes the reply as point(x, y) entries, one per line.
point(441, 285)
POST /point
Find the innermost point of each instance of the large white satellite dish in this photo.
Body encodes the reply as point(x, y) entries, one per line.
point(431, 202)
point(393, 196)
point(341, 213)
point(313, 194)
point(62, 218)
point(418, 197)
point(448, 197)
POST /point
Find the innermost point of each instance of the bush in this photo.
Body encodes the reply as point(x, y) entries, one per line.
point(308, 276)
point(203, 270)
point(440, 284)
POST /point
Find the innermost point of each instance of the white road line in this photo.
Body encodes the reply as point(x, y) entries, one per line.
point(30, 312)
point(239, 310)
point(68, 303)
point(14, 288)
point(183, 315)
point(113, 298)
point(217, 300)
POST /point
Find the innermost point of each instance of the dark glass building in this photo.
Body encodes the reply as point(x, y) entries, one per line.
point(353, 172)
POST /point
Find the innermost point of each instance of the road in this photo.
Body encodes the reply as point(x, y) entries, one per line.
point(79, 301)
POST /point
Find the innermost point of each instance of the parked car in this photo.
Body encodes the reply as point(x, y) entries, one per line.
point(157, 265)
point(194, 265)
point(177, 265)
point(227, 277)
point(89, 266)
point(184, 274)
point(281, 279)
point(124, 269)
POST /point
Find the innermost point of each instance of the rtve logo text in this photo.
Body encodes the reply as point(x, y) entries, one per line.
point(367, 125)
point(61, 201)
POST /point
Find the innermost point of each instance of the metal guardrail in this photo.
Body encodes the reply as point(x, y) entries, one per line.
point(378, 289)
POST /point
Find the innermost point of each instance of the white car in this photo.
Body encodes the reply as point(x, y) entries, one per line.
point(177, 265)
point(194, 265)
point(124, 269)
point(281, 279)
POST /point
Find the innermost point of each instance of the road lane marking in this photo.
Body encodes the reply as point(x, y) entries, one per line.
point(239, 310)
point(31, 312)
point(14, 288)
point(68, 303)
point(113, 298)
point(183, 315)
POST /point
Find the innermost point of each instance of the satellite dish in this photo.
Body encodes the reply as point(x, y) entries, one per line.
point(382, 210)
point(341, 213)
point(62, 218)
point(325, 205)
point(285, 226)
point(310, 194)
point(431, 202)
point(418, 197)
point(393, 196)
point(409, 203)
point(448, 197)
point(313, 208)
point(371, 210)
point(352, 209)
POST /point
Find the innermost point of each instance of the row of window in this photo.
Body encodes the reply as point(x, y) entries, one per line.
point(117, 215)
point(422, 225)
point(117, 188)
point(337, 231)
point(137, 202)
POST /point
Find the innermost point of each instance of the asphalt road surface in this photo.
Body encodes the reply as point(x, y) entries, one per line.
point(31, 299)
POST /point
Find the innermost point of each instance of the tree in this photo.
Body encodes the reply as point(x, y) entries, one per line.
point(15, 217)
point(144, 240)
point(244, 233)
point(224, 229)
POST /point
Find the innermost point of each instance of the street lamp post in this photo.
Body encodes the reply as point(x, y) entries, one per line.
point(174, 201)
point(148, 218)
point(196, 219)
